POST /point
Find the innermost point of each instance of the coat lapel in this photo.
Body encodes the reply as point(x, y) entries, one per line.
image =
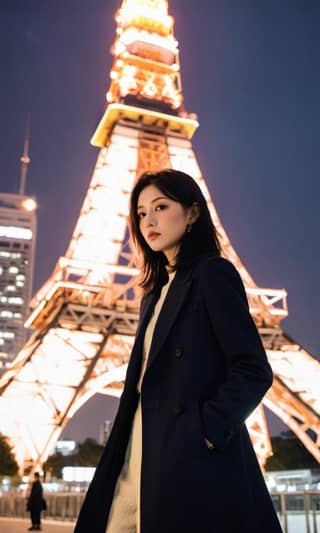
point(146, 311)
point(170, 309)
point(134, 367)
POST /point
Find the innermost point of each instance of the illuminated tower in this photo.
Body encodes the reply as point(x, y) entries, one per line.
point(17, 251)
point(86, 313)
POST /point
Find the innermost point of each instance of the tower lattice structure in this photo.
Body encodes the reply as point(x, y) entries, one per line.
point(85, 315)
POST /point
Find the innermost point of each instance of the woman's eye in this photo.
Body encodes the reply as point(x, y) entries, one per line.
point(141, 215)
point(161, 207)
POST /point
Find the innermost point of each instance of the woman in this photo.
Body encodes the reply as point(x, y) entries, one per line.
point(179, 458)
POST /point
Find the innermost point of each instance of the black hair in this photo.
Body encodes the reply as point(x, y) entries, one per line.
point(202, 239)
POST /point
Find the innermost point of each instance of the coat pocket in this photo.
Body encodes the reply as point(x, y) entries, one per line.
point(204, 442)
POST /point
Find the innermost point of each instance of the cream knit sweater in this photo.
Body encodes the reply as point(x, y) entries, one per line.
point(124, 516)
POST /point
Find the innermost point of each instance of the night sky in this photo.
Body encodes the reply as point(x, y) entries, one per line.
point(250, 70)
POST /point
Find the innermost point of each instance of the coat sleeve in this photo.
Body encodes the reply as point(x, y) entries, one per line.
point(248, 373)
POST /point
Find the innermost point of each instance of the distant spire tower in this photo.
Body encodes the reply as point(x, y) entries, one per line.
point(25, 160)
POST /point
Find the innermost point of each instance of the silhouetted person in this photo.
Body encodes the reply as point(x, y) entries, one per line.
point(35, 503)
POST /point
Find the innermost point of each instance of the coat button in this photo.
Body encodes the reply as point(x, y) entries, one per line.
point(229, 435)
point(177, 410)
point(179, 352)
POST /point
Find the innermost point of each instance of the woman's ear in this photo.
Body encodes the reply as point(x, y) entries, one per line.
point(194, 213)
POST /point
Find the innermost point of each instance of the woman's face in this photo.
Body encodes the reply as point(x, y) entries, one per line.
point(163, 221)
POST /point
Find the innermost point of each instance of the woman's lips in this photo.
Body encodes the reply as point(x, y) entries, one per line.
point(153, 235)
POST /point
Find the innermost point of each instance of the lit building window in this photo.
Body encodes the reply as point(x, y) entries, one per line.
point(15, 300)
point(17, 315)
point(7, 335)
point(4, 254)
point(1, 342)
point(13, 232)
point(1, 270)
point(11, 288)
point(20, 283)
point(13, 270)
point(20, 277)
point(6, 314)
point(3, 299)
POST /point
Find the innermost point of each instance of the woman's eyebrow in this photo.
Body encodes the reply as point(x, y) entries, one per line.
point(154, 200)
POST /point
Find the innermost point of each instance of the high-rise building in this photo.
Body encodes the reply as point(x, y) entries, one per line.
point(17, 250)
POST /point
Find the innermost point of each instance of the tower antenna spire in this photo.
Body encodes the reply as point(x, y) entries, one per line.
point(25, 160)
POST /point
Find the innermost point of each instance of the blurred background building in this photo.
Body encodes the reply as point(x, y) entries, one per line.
point(17, 251)
point(18, 228)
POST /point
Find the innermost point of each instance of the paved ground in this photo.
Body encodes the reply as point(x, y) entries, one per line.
point(15, 525)
point(296, 524)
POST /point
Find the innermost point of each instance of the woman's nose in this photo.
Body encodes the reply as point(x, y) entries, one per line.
point(150, 219)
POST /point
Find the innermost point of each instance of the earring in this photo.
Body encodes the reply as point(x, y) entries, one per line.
point(189, 228)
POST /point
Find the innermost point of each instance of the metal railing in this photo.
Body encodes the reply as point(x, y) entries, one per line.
point(59, 506)
point(299, 512)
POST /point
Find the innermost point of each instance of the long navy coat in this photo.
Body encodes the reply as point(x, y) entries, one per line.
point(207, 370)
